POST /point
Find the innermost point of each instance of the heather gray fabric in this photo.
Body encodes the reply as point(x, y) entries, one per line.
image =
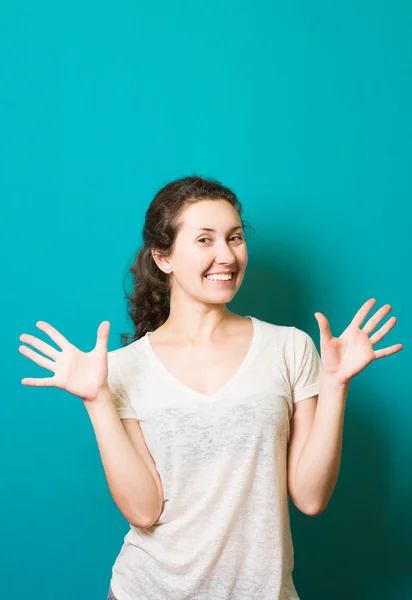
point(224, 531)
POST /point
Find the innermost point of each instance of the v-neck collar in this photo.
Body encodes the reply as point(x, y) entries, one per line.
point(157, 363)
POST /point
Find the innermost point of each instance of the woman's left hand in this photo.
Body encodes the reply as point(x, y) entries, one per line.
point(346, 356)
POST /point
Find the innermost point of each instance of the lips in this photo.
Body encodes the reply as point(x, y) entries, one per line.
point(224, 282)
point(233, 273)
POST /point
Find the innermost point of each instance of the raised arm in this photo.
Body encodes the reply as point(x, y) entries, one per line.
point(132, 481)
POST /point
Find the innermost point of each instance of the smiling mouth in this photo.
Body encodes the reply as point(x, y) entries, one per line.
point(224, 279)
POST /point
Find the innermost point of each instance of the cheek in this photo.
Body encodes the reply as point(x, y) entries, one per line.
point(193, 264)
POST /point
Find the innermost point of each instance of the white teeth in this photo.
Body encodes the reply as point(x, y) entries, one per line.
point(219, 277)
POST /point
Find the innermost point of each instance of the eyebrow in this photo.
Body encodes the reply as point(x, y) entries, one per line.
point(210, 229)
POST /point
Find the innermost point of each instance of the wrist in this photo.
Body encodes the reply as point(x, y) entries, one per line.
point(330, 385)
point(103, 396)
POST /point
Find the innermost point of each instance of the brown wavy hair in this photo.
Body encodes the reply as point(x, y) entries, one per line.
point(149, 303)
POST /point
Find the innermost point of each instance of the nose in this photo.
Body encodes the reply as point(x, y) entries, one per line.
point(225, 255)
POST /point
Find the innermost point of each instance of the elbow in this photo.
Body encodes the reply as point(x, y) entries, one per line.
point(141, 523)
point(146, 522)
point(313, 510)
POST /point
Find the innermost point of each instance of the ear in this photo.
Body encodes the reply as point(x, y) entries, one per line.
point(161, 261)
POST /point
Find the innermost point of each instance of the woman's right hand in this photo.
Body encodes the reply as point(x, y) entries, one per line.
point(83, 374)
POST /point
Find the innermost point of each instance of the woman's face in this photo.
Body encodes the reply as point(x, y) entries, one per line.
point(210, 240)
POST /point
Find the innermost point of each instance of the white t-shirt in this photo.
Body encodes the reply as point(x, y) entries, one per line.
point(224, 533)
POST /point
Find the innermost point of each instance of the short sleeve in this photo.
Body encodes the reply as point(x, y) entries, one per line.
point(121, 400)
point(307, 366)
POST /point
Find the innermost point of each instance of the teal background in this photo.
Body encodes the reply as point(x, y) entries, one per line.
point(304, 109)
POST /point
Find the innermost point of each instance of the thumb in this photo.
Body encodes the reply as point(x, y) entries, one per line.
point(103, 335)
point(325, 332)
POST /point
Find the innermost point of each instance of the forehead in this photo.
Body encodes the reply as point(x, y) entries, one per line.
point(216, 214)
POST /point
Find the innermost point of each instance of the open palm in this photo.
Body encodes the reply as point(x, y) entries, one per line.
point(346, 356)
point(83, 374)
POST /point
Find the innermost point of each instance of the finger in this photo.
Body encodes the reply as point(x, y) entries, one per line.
point(39, 382)
point(40, 345)
point(388, 351)
point(103, 335)
point(324, 328)
point(42, 361)
point(55, 335)
point(377, 317)
point(380, 334)
point(362, 312)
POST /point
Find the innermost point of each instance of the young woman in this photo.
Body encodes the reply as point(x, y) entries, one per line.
point(206, 420)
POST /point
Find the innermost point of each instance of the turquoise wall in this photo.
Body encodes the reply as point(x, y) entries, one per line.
point(304, 109)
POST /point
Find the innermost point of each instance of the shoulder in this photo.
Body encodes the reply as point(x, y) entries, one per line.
point(124, 367)
point(302, 340)
point(286, 331)
point(291, 340)
point(124, 352)
point(124, 360)
point(273, 331)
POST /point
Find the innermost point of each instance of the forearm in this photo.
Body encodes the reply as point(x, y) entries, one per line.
point(318, 466)
point(130, 482)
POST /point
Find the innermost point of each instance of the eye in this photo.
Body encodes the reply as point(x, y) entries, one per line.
point(232, 237)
